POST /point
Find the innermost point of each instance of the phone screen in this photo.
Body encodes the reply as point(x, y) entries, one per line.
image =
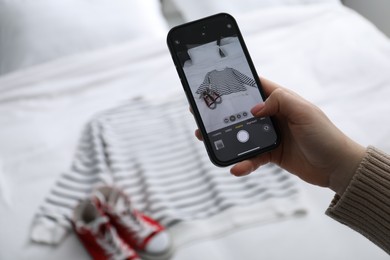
point(220, 81)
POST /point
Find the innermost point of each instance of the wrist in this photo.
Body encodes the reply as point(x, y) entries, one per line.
point(350, 160)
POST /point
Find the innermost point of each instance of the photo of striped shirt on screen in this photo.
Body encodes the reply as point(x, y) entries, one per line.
point(225, 82)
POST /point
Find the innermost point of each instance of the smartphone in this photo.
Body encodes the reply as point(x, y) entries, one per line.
point(221, 85)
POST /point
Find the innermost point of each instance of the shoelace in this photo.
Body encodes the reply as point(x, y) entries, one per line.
point(127, 217)
point(134, 225)
point(108, 239)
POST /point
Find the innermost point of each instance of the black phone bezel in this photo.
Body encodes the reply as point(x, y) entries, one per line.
point(197, 25)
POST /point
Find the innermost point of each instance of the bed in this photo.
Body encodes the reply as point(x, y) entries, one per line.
point(325, 52)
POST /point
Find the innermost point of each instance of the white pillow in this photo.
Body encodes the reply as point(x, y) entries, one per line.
point(228, 40)
point(192, 10)
point(205, 53)
point(231, 49)
point(35, 31)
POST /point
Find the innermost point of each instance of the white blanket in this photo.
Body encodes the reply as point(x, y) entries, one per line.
point(328, 54)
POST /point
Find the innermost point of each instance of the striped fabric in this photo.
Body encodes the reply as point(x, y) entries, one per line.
point(149, 150)
point(225, 82)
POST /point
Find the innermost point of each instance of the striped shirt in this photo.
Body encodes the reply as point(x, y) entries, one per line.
point(225, 82)
point(148, 150)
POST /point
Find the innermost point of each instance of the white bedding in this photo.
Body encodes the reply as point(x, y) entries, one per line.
point(326, 53)
point(32, 32)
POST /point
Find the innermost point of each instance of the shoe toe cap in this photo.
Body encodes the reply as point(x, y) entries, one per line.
point(160, 243)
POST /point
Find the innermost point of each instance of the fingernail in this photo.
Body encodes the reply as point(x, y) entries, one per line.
point(256, 109)
point(239, 174)
point(233, 172)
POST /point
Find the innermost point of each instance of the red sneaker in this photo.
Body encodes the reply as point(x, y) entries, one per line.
point(215, 96)
point(141, 232)
point(210, 102)
point(99, 238)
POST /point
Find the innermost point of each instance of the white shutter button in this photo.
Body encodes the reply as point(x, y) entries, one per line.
point(242, 136)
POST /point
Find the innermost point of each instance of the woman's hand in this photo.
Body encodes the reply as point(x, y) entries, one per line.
point(311, 147)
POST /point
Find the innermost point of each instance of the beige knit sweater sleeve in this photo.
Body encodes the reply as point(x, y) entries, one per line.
point(365, 205)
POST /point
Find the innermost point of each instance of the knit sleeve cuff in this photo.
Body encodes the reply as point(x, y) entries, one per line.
point(47, 232)
point(365, 205)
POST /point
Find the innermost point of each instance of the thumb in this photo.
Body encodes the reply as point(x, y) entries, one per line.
point(288, 104)
point(279, 102)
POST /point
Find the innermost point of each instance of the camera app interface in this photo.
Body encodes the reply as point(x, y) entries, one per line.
point(225, 90)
